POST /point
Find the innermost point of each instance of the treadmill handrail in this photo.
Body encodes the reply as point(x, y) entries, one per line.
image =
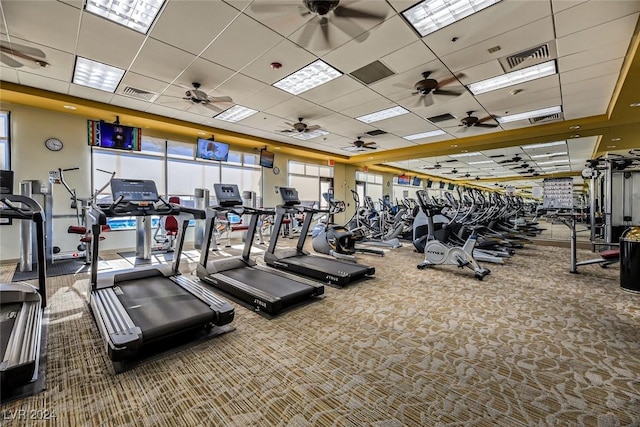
point(33, 210)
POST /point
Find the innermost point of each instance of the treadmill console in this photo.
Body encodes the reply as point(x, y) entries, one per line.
point(227, 195)
point(289, 196)
point(134, 190)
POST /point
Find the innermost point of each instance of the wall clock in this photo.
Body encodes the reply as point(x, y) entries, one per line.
point(276, 170)
point(53, 144)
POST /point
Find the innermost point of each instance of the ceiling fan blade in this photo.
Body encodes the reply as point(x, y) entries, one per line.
point(20, 48)
point(486, 119)
point(451, 79)
point(427, 100)
point(369, 144)
point(9, 61)
point(350, 28)
point(312, 127)
point(289, 124)
point(286, 131)
point(485, 125)
point(445, 92)
point(220, 99)
point(307, 33)
point(496, 156)
point(324, 26)
point(463, 129)
point(212, 107)
point(347, 12)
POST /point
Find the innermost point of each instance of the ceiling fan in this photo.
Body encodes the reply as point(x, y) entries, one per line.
point(437, 165)
point(327, 13)
point(427, 87)
point(452, 172)
point(360, 145)
point(198, 97)
point(16, 55)
point(472, 121)
point(515, 159)
point(299, 127)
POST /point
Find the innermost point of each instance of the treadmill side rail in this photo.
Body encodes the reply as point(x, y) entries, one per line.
point(223, 310)
point(121, 335)
point(19, 363)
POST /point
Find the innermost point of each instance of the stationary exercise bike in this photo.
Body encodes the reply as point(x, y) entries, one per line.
point(433, 242)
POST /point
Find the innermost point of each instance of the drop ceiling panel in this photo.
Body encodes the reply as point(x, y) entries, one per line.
point(345, 102)
point(348, 127)
point(283, 17)
point(409, 57)
point(591, 14)
point(593, 56)
point(528, 89)
point(480, 72)
point(591, 88)
point(596, 70)
point(162, 110)
point(490, 22)
point(343, 85)
point(618, 31)
point(60, 63)
point(121, 49)
point(240, 87)
point(192, 25)
point(431, 140)
point(499, 104)
point(560, 5)
point(128, 102)
point(291, 56)
point(368, 107)
point(208, 74)
point(29, 79)
point(141, 82)
point(264, 121)
point(405, 124)
point(514, 41)
point(9, 74)
point(401, 85)
point(293, 108)
point(90, 93)
point(48, 23)
point(152, 61)
point(243, 41)
point(268, 97)
point(391, 35)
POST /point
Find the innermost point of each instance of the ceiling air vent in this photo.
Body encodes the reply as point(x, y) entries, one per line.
point(139, 93)
point(529, 57)
point(373, 72)
point(375, 132)
point(441, 118)
point(548, 118)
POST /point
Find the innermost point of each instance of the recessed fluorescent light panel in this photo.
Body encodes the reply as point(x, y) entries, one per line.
point(96, 75)
point(235, 114)
point(309, 135)
point(551, 162)
point(513, 78)
point(424, 135)
point(313, 75)
point(482, 162)
point(543, 145)
point(431, 15)
point(475, 153)
point(529, 114)
point(539, 156)
point(383, 114)
point(135, 14)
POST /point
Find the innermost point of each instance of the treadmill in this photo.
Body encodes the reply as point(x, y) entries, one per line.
point(264, 289)
point(136, 308)
point(297, 260)
point(21, 305)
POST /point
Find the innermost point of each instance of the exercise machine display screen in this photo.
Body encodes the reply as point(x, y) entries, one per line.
point(289, 196)
point(134, 190)
point(227, 194)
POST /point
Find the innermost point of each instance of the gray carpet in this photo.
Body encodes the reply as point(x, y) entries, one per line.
point(531, 345)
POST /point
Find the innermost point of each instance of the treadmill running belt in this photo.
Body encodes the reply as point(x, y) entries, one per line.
point(160, 307)
point(273, 284)
point(328, 265)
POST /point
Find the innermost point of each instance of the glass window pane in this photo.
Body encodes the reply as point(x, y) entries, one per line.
point(235, 157)
point(246, 179)
point(312, 170)
point(152, 145)
point(4, 125)
point(186, 176)
point(308, 188)
point(360, 176)
point(375, 192)
point(326, 171)
point(296, 167)
point(4, 155)
point(128, 165)
point(251, 159)
point(185, 150)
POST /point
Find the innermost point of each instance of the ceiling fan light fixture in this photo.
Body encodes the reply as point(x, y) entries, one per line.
point(423, 135)
point(137, 15)
point(528, 114)
point(513, 78)
point(429, 16)
point(309, 135)
point(235, 114)
point(383, 114)
point(96, 75)
point(313, 75)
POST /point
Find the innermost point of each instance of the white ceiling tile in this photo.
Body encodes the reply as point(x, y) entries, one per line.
point(498, 103)
point(162, 110)
point(90, 93)
point(514, 41)
point(560, 5)
point(402, 85)
point(291, 56)
point(121, 49)
point(268, 97)
point(405, 124)
point(240, 87)
point(391, 35)
point(589, 57)
point(284, 17)
point(618, 31)
point(61, 63)
point(208, 74)
point(527, 88)
point(368, 107)
point(128, 102)
point(28, 79)
point(343, 85)
point(409, 57)
point(192, 25)
point(592, 13)
point(78, 4)
point(595, 70)
point(345, 102)
point(141, 82)
point(152, 61)
point(297, 107)
point(480, 72)
point(49, 23)
point(349, 127)
point(490, 22)
point(9, 74)
point(263, 121)
point(240, 43)
point(591, 88)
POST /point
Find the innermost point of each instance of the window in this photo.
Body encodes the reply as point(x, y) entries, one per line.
point(372, 187)
point(5, 141)
point(306, 178)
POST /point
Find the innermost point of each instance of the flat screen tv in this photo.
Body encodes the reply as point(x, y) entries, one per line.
point(266, 158)
point(212, 150)
point(6, 182)
point(416, 181)
point(442, 184)
point(451, 186)
point(403, 180)
point(113, 135)
point(429, 183)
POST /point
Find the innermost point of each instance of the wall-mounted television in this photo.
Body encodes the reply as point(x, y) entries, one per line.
point(113, 135)
point(429, 183)
point(442, 184)
point(416, 181)
point(266, 158)
point(451, 186)
point(209, 149)
point(403, 180)
point(6, 182)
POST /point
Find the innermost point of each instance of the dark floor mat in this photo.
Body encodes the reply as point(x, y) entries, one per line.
point(59, 268)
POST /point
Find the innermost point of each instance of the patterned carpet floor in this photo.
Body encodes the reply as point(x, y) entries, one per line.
point(531, 345)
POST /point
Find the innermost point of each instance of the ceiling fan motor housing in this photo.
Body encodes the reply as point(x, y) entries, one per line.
point(321, 7)
point(425, 86)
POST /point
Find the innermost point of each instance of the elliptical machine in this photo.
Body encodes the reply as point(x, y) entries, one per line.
point(433, 243)
point(337, 240)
